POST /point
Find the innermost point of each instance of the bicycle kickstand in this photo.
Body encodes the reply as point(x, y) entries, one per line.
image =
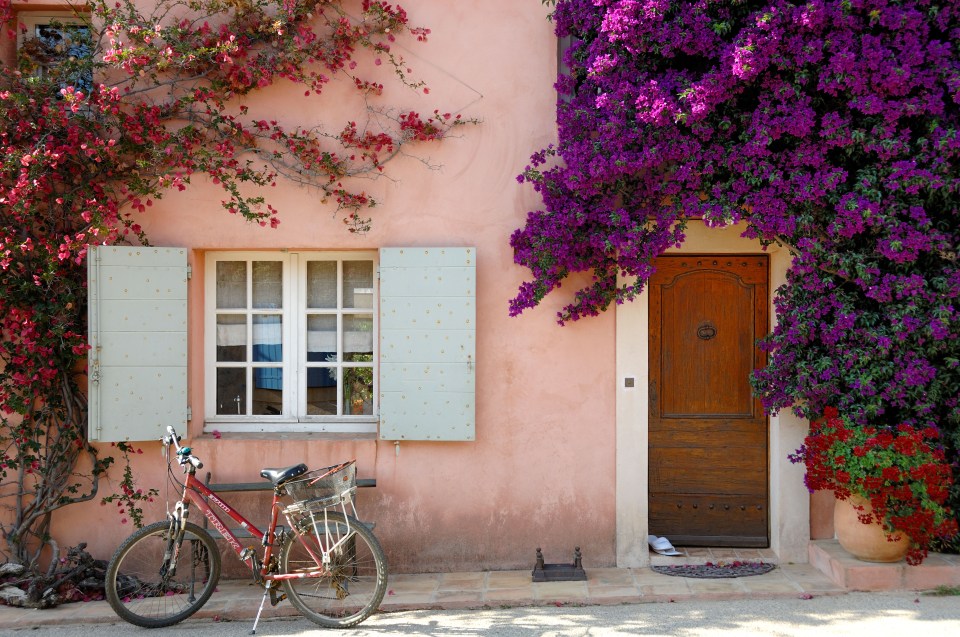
point(266, 591)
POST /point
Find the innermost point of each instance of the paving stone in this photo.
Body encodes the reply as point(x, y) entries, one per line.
point(610, 576)
point(516, 595)
point(560, 591)
point(461, 581)
point(509, 579)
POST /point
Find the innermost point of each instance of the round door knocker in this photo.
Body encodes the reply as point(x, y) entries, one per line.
point(706, 331)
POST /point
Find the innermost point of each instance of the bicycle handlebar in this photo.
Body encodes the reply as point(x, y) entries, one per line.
point(184, 454)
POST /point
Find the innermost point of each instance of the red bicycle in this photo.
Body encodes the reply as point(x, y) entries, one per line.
point(329, 564)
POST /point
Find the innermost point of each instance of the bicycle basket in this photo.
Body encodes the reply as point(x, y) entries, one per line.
point(323, 487)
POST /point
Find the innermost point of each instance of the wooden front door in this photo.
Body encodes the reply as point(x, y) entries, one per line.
point(708, 435)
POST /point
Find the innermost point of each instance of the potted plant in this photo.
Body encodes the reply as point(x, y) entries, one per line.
point(894, 476)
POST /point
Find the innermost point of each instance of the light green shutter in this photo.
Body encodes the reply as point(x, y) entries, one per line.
point(427, 343)
point(138, 339)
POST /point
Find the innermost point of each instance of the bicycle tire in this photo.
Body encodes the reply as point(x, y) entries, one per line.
point(139, 594)
point(354, 586)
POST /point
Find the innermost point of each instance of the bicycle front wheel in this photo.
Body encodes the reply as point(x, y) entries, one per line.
point(351, 587)
point(149, 589)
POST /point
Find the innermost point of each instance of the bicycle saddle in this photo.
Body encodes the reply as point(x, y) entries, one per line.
point(279, 476)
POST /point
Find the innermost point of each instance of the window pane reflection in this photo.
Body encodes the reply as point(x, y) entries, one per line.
point(358, 284)
point(322, 338)
point(231, 337)
point(267, 391)
point(358, 391)
point(267, 338)
point(231, 391)
point(231, 284)
point(322, 391)
point(267, 284)
point(358, 337)
point(322, 284)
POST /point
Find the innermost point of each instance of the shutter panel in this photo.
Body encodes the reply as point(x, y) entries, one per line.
point(427, 343)
point(138, 340)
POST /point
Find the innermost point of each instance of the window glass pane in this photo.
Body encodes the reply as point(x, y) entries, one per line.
point(322, 338)
point(267, 284)
point(64, 41)
point(358, 284)
point(322, 284)
point(59, 46)
point(231, 284)
point(358, 391)
point(357, 337)
point(322, 381)
point(322, 391)
point(267, 338)
point(231, 337)
point(231, 391)
point(267, 391)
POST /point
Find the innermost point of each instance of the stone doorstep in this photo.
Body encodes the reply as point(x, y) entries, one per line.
point(700, 555)
point(852, 574)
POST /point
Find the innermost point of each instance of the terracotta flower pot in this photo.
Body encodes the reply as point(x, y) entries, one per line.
point(866, 542)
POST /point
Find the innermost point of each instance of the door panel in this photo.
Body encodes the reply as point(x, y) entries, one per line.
point(740, 471)
point(708, 435)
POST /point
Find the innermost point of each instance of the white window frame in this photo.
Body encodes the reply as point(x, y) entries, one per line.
point(293, 334)
point(32, 19)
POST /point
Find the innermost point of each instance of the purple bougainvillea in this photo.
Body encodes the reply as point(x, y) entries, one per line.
point(829, 127)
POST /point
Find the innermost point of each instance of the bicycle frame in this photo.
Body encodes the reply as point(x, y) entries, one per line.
point(196, 491)
point(199, 493)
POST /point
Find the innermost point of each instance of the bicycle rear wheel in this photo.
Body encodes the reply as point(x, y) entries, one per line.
point(148, 590)
point(352, 588)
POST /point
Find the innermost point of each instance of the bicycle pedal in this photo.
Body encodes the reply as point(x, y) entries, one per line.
point(276, 599)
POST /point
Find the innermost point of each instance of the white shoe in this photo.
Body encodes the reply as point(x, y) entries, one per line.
point(662, 545)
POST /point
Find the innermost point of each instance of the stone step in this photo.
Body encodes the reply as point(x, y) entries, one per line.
point(700, 555)
point(855, 575)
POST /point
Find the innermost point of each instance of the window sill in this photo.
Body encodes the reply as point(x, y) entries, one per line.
point(273, 428)
point(307, 436)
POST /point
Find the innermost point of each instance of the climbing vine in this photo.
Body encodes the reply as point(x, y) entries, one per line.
point(107, 110)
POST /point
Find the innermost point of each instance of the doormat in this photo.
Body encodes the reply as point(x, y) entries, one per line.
point(716, 571)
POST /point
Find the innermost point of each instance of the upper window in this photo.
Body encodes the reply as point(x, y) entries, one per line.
point(291, 341)
point(51, 39)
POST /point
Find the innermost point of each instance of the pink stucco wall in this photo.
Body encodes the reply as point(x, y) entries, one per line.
point(541, 471)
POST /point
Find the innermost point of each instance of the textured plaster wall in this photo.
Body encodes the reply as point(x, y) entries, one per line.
point(560, 453)
point(542, 469)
